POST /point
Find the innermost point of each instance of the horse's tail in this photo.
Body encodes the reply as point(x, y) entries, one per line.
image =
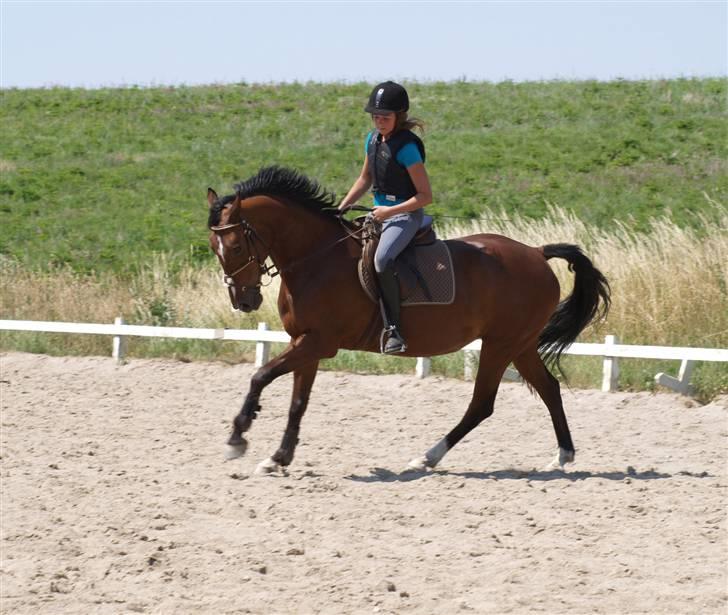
point(590, 299)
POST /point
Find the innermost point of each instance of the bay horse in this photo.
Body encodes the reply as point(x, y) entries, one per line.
point(506, 295)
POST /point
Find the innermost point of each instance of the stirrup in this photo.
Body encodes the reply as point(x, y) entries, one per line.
point(392, 335)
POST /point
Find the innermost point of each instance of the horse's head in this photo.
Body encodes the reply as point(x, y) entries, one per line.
point(239, 249)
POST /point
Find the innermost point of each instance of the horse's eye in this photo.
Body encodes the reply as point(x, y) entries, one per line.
point(237, 249)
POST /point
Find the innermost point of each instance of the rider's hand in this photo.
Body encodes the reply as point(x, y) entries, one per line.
point(380, 213)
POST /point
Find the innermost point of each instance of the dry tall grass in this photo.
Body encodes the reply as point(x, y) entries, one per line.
point(669, 285)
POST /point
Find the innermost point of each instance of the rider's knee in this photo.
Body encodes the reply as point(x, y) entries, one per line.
point(383, 262)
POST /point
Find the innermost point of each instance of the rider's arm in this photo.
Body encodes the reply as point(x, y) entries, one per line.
point(360, 186)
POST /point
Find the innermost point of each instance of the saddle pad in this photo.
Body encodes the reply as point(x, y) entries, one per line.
point(429, 265)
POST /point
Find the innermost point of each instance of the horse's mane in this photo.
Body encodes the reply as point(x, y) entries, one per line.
point(278, 181)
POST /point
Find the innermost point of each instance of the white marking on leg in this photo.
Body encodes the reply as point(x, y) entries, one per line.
point(419, 464)
point(437, 452)
point(431, 458)
point(267, 466)
point(562, 458)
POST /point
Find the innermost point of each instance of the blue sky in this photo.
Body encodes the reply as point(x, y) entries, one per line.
point(94, 44)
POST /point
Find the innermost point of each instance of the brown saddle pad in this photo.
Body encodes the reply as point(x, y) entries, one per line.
point(425, 273)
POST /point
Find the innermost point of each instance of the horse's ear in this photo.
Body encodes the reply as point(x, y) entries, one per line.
point(211, 197)
point(236, 203)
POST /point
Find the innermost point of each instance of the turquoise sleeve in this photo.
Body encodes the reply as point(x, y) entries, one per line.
point(409, 155)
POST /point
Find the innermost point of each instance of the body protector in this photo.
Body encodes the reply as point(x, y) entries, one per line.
point(388, 176)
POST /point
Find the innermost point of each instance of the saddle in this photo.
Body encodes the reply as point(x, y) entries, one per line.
point(424, 268)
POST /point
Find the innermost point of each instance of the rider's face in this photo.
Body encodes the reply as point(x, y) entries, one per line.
point(384, 122)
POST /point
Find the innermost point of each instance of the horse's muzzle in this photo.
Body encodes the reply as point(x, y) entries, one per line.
point(249, 300)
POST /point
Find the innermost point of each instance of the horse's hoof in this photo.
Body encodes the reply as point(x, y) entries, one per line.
point(233, 451)
point(266, 467)
point(562, 458)
point(417, 465)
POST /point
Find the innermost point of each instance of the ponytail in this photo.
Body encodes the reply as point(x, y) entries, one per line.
point(404, 122)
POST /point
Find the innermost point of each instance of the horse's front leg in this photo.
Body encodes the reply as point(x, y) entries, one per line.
point(237, 445)
point(303, 378)
point(302, 350)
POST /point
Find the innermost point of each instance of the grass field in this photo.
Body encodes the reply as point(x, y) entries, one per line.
point(103, 211)
point(101, 179)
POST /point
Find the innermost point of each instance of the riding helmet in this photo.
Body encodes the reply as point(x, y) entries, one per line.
point(388, 97)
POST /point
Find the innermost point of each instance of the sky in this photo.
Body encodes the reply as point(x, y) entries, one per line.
point(122, 43)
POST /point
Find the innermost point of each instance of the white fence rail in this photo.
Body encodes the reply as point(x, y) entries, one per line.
point(611, 350)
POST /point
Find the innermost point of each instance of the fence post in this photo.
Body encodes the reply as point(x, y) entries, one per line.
point(424, 364)
point(610, 368)
point(262, 349)
point(681, 384)
point(119, 344)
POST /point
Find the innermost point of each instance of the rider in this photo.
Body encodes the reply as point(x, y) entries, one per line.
point(394, 167)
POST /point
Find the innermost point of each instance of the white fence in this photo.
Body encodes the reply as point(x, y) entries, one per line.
point(611, 350)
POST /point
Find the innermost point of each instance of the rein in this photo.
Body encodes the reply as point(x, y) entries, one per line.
point(349, 235)
point(251, 235)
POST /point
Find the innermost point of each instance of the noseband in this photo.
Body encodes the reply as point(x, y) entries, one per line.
point(253, 255)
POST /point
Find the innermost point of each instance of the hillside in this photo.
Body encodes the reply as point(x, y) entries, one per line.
point(100, 179)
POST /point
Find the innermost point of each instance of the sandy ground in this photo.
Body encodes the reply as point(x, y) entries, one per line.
point(116, 498)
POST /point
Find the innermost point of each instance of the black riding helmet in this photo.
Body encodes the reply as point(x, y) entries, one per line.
point(388, 97)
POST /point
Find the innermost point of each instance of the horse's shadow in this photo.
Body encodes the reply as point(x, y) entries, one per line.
point(382, 475)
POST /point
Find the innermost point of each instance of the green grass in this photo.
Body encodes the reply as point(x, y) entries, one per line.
point(101, 179)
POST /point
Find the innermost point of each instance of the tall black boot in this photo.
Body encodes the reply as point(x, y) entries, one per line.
point(389, 303)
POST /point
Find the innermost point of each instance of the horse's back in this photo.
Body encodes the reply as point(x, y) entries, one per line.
point(505, 277)
point(503, 254)
point(491, 243)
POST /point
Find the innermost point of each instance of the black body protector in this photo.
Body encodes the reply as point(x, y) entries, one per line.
point(388, 176)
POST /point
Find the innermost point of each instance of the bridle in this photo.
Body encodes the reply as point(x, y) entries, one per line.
point(250, 236)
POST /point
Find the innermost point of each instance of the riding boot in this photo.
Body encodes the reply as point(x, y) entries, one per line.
point(389, 303)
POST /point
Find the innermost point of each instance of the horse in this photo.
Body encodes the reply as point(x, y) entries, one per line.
point(506, 295)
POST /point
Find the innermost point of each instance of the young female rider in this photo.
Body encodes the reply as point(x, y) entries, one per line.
point(394, 167)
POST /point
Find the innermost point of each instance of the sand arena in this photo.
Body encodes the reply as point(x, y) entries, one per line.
point(116, 498)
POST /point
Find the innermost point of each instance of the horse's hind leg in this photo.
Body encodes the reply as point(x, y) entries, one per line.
point(535, 373)
point(303, 378)
point(493, 364)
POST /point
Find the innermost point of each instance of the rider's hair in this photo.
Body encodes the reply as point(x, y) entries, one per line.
point(404, 122)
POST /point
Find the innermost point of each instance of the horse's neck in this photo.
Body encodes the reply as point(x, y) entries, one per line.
point(295, 233)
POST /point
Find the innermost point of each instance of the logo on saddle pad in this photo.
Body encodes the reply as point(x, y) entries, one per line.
point(425, 273)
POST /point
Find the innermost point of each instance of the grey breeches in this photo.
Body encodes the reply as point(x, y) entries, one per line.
point(397, 232)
